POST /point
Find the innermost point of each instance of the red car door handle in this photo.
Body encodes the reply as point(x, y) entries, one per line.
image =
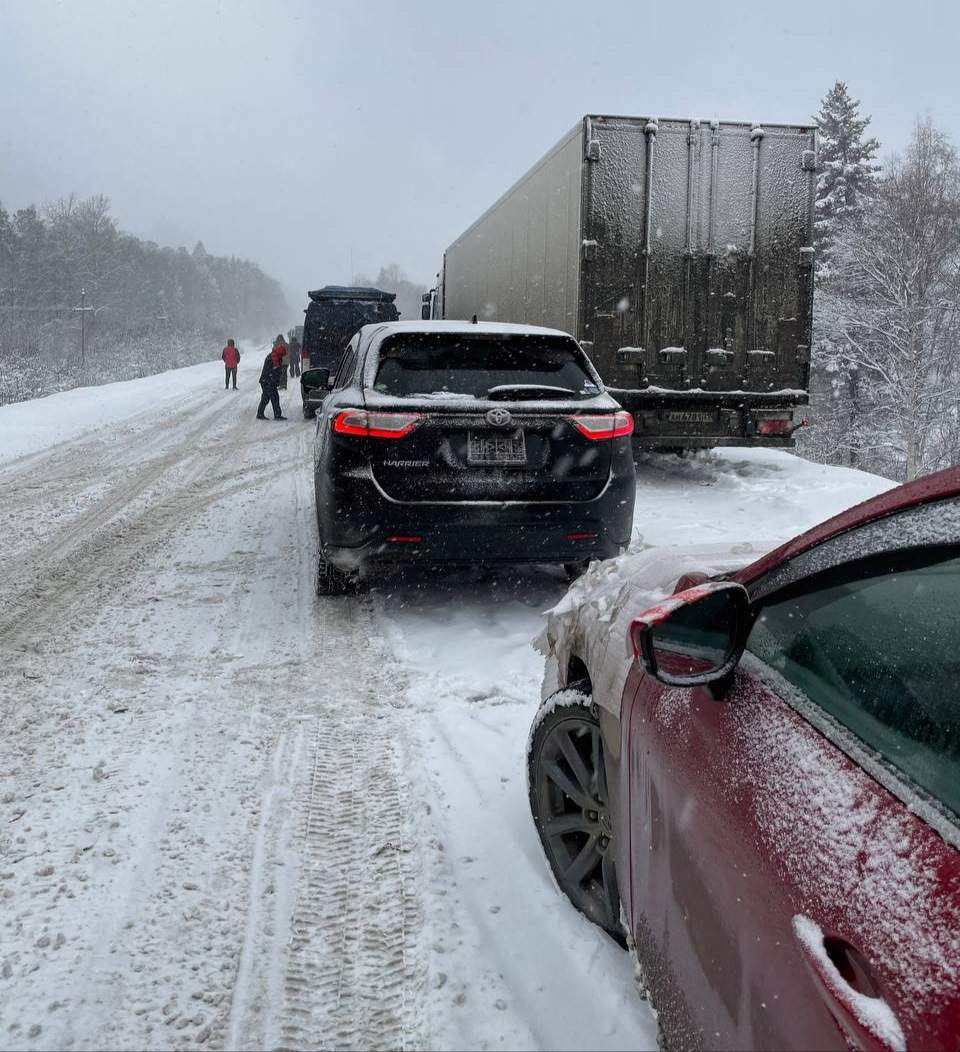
point(846, 983)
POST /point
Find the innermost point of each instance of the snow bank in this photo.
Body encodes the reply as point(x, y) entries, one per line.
point(41, 423)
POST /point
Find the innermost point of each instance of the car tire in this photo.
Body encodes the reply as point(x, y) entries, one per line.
point(309, 414)
point(567, 787)
point(330, 579)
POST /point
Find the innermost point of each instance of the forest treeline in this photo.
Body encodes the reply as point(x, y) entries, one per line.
point(82, 302)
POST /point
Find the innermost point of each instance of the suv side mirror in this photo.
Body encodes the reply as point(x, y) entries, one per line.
point(313, 378)
point(696, 636)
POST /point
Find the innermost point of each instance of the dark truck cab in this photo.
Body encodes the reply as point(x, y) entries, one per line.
point(333, 316)
point(678, 252)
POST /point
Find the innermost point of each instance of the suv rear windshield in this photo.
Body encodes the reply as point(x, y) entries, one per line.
point(456, 364)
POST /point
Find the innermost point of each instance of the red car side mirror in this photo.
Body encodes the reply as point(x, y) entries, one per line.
point(695, 637)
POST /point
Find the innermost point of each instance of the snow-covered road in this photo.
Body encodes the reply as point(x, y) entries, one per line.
point(236, 815)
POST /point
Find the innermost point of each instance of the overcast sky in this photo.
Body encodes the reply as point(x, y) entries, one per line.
point(316, 137)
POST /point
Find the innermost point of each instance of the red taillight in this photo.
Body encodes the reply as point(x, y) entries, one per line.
point(608, 425)
point(581, 536)
point(774, 427)
point(375, 425)
point(404, 540)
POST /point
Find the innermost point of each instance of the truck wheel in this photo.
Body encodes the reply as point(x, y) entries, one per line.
point(330, 580)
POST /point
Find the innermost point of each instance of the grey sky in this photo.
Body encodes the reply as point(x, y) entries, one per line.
point(303, 135)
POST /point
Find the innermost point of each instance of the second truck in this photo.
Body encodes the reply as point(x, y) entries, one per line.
point(678, 252)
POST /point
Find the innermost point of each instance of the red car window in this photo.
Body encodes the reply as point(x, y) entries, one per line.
point(875, 644)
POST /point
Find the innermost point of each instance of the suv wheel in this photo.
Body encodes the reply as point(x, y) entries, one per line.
point(567, 784)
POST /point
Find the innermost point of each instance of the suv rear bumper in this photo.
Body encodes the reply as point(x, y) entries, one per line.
point(360, 526)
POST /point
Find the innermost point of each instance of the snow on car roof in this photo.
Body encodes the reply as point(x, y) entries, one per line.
point(492, 328)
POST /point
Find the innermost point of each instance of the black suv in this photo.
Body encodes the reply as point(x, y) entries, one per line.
point(456, 442)
point(333, 315)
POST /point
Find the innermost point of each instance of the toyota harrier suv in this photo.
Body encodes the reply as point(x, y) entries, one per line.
point(456, 442)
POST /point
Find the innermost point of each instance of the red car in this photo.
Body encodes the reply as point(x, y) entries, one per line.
point(770, 815)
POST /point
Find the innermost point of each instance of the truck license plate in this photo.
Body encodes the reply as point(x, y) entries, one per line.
point(486, 448)
point(689, 417)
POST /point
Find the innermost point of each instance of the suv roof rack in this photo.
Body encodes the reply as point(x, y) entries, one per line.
point(350, 292)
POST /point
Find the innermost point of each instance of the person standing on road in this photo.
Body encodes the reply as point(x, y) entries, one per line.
point(270, 383)
point(284, 360)
point(231, 359)
point(294, 355)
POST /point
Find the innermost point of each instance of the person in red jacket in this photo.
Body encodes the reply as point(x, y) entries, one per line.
point(281, 343)
point(231, 359)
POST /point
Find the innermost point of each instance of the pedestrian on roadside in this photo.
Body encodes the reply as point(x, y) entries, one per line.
point(294, 355)
point(231, 359)
point(284, 360)
point(270, 383)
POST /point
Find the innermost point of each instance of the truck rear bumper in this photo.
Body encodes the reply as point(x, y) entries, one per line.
point(699, 419)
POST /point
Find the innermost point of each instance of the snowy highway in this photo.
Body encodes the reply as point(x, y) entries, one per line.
point(236, 815)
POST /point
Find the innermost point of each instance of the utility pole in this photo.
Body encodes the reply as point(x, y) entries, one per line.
point(83, 310)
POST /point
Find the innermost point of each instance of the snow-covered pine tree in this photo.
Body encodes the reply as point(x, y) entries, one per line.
point(846, 169)
point(846, 178)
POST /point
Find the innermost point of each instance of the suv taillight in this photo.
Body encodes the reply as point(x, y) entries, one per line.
point(608, 425)
point(375, 425)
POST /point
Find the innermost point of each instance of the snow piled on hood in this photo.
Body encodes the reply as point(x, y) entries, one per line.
point(713, 512)
point(593, 619)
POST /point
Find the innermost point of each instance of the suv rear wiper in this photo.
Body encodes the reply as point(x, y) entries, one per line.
point(520, 392)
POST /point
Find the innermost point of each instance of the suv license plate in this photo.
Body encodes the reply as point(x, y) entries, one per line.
point(486, 448)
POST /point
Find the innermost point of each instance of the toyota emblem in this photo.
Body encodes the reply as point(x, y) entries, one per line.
point(499, 417)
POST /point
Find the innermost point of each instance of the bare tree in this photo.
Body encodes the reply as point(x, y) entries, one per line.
point(392, 279)
point(892, 311)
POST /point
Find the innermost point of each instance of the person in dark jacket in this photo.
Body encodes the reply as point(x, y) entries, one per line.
point(270, 383)
point(284, 360)
point(294, 346)
point(231, 359)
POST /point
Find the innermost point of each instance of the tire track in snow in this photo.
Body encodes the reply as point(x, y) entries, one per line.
point(356, 975)
point(260, 966)
point(95, 465)
point(104, 542)
point(334, 961)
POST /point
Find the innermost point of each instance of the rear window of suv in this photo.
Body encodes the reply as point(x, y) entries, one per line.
point(454, 364)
